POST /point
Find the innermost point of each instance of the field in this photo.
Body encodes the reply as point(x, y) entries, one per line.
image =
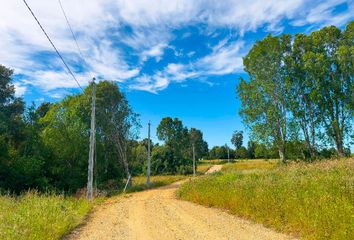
point(34, 216)
point(313, 201)
point(246, 165)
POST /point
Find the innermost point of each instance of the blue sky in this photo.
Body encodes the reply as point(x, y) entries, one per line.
point(177, 58)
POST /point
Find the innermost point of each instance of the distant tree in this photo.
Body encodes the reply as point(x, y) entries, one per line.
point(251, 147)
point(218, 152)
point(173, 133)
point(201, 146)
point(175, 154)
point(237, 139)
point(242, 153)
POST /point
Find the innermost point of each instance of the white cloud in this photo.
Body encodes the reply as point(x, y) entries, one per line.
point(225, 58)
point(155, 52)
point(100, 27)
point(19, 89)
point(323, 13)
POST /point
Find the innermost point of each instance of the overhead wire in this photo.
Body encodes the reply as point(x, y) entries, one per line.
point(72, 33)
point(51, 42)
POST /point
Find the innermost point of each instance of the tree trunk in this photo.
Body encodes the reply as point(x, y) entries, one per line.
point(339, 144)
point(282, 154)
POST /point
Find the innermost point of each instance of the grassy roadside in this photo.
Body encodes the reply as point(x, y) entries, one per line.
point(139, 182)
point(35, 216)
point(247, 165)
point(314, 201)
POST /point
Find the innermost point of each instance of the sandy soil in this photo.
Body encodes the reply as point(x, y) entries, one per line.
point(158, 215)
point(214, 168)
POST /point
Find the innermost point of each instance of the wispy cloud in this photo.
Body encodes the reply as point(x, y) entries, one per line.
point(225, 58)
point(118, 37)
point(19, 89)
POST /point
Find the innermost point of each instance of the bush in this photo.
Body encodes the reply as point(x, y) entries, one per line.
point(184, 169)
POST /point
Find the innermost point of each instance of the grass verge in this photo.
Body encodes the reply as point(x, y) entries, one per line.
point(314, 201)
point(40, 216)
point(256, 164)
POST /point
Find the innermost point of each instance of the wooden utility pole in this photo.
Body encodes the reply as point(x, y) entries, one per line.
point(148, 160)
point(228, 154)
point(193, 159)
point(92, 143)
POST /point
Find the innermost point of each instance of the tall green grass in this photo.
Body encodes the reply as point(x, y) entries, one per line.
point(255, 164)
point(314, 201)
point(36, 216)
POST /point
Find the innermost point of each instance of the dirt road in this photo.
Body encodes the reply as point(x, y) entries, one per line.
point(214, 168)
point(158, 215)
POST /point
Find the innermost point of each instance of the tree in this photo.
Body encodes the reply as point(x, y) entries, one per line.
point(242, 153)
point(116, 121)
point(264, 96)
point(175, 154)
point(301, 90)
point(237, 139)
point(329, 62)
point(11, 126)
point(251, 148)
point(304, 111)
point(201, 146)
point(66, 134)
point(218, 152)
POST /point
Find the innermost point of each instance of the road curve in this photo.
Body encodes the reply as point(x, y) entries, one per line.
point(157, 215)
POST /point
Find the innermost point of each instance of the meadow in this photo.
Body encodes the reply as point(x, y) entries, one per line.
point(311, 201)
point(40, 216)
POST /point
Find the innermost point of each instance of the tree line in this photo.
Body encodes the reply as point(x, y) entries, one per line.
point(300, 91)
point(46, 147)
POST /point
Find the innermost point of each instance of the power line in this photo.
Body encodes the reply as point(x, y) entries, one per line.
point(72, 33)
point(56, 50)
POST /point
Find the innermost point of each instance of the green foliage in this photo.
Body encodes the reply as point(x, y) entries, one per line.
point(218, 152)
point(263, 98)
point(200, 146)
point(47, 147)
point(242, 153)
point(175, 156)
point(313, 200)
point(300, 91)
point(237, 139)
point(35, 216)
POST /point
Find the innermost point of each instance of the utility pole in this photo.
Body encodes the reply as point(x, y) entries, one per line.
point(92, 144)
point(148, 162)
point(228, 154)
point(193, 160)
